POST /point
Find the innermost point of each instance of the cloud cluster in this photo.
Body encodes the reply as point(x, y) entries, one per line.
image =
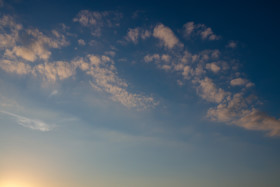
point(28, 45)
point(235, 107)
point(96, 20)
point(105, 79)
point(133, 35)
point(201, 30)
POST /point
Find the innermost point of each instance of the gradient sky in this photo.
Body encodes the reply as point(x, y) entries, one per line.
point(148, 93)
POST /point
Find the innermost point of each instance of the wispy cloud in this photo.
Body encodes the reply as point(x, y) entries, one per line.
point(34, 124)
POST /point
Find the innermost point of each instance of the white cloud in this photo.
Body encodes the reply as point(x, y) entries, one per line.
point(81, 42)
point(201, 30)
point(232, 44)
point(213, 67)
point(54, 71)
point(150, 58)
point(105, 79)
point(19, 68)
point(37, 45)
point(236, 111)
point(30, 123)
point(166, 35)
point(98, 20)
point(133, 35)
point(241, 82)
point(27, 44)
point(209, 91)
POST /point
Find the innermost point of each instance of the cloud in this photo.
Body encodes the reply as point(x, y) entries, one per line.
point(236, 111)
point(30, 123)
point(232, 108)
point(208, 91)
point(96, 20)
point(166, 35)
point(81, 42)
point(232, 44)
point(105, 79)
point(19, 68)
point(133, 35)
point(240, 82)
point(206, 33)
point(213, 67)
point(54, 71)
point(36, 45)
point(9, 32)
point(27, 44)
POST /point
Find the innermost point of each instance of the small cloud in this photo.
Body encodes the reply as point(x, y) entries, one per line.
point(81, 42)
point(232, 44)
point(241, 82)
point(166, 35)
point(55, 92)
point(133, 35)
point(96, 20)
point(213, 67)
point(206, 33)
point(29, 123)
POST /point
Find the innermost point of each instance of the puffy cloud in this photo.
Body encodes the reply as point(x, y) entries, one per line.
point(236, 111)
point(54, 71)
point(232, 44)
point(30, 123)
point(133, 35)
point(105, 79)
point(166, 35)
point(213, 67)
point(98, 20)
point(15, 67)
point(37, 44)
point(81, 42)
point(9, 32)
point(202, 30)
point(150, 58)
point(209, 91)
point(240, 82)
point(28, 44)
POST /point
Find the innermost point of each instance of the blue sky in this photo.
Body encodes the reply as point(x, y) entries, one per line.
point(121, 93)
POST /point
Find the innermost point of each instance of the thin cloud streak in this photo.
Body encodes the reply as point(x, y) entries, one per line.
point(33, 124)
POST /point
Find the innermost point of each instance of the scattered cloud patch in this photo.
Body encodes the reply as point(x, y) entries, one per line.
point(105, 79)
point(206, 33)
point(166, 36)
point(81, 42)
point(232, 44)
point(240, 82)
point(133, 35)
point(97, 20)
point(213, 67)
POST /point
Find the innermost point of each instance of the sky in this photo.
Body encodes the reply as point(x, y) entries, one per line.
point(142, 93)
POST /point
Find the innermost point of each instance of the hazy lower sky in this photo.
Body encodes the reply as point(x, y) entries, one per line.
point(147, 93)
